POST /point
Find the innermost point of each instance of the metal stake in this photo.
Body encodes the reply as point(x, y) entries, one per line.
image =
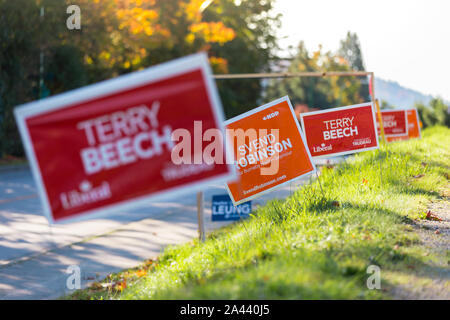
point(200, 217)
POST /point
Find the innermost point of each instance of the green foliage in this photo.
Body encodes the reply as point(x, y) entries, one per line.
point(251, 51)
point(436, 113)
point(385, 105)
point(121, 36)
point(350, 50)
point(19, 58)
point(65, 69)
point(317, 92)
point(311, 245)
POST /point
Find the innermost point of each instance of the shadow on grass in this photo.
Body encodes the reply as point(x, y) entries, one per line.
point(336, 267)
point(402, 188)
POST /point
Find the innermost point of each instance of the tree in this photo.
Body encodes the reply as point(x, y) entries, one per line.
point(437, 113)
point(350, 50)
point(19, 65)
point(121, 36)
point(317, 92)
point(251, 51)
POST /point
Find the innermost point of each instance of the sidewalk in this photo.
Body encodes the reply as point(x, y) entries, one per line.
point(34, 258)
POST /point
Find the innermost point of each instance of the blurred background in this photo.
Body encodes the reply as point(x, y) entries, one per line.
point(43, 52)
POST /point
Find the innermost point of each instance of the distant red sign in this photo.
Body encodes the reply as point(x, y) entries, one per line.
point(413, 127)
point(109, 145)
point(394, 122)
point(340, 131)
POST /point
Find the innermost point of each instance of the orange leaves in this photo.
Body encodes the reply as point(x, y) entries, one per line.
point(139, 17)
point(120, 286)
point(213, 32)
point(219, 65)
point(431, 216)
point(335, 204)
point(143, 17)
point(116, 283)
point(192, 10)
point(135, 29)
point(141, 273)
point(137, 20)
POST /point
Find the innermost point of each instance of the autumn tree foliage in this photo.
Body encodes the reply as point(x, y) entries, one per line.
point(121, 36)
point(317, 92)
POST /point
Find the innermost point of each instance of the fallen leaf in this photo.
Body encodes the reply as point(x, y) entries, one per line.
point(120, 286)
point(432, 217)
point(336, 204)
point(418, 176)
point(141, 273)
point(366, 237)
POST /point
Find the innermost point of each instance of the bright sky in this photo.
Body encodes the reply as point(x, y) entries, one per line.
point(407, 41)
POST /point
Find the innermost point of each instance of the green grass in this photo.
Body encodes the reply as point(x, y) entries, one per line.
point(309, 246)
point(11, 160)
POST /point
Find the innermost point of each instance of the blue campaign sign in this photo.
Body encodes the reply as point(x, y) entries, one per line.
point(224, 210)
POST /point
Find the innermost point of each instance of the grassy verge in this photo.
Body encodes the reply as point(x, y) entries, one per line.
point(311, 245)
point(11, 160)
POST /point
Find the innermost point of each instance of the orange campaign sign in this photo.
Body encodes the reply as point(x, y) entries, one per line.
point(269, 150)
point(413, 122)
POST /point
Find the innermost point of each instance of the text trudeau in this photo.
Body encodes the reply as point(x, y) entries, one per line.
point(123, 137)
point(339, 128)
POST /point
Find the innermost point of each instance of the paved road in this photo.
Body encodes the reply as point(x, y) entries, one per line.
point(34, 257)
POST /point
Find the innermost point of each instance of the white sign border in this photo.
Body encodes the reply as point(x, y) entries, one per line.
point(332, 155)
point(124, 82)
point(406, 121)
point(407, 135)
point(258, 109)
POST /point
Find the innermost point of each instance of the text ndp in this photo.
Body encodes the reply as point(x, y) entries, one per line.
point(124, 137)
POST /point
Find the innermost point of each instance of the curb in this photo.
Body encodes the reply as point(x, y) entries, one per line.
point(14, 167)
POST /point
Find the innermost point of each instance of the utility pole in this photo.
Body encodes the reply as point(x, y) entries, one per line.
point(41, 57)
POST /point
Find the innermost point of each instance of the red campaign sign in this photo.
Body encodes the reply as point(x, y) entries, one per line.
point(395, 123)
point(109, 145)
point(413, 127)
point(340, 131)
